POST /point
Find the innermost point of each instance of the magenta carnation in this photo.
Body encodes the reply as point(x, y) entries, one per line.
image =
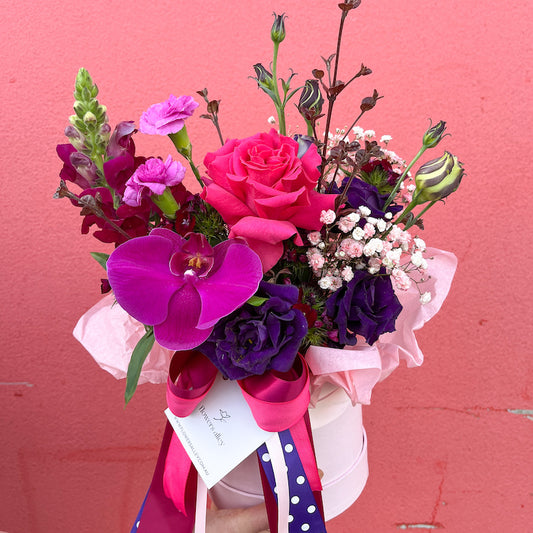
point(182, 287)
point(167, 117)
point(152, 177)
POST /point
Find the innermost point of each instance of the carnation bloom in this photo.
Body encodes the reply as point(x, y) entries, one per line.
point(153, 177)
point(182, 286)
point(265, 192)
point(167, 117)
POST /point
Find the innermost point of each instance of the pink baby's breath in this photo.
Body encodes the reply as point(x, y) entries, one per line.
point(351, 247)
point(327, 217)
point(369, 230)
point(316, 261)
point(400, 279)
point(346, 224)
point(314, 237)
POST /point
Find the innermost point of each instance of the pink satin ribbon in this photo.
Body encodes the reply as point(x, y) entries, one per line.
point(278, 401)
point(190, 378)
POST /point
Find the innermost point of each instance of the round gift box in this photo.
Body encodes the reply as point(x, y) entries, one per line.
point(341, 452)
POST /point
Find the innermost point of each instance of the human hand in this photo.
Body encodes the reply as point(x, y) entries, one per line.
point(249, 520)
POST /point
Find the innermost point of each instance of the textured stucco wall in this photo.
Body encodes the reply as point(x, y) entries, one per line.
point(450, 442)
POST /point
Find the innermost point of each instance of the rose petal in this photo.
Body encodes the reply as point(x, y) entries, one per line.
point(224, 201)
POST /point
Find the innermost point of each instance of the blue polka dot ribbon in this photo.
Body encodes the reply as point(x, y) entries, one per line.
point(304, 514)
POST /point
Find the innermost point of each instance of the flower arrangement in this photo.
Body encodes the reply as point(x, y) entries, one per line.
point(295, 241)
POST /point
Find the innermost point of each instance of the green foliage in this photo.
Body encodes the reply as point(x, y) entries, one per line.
point(100, 258)
point(209, 222)
point(138, 357)
point(379, 178)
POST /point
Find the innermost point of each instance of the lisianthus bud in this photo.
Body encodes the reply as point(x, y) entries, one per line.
point(277, 33)
point(264, 77)
point(310, 105)
point(304, 143)
point(438, 178)
point(433, 135)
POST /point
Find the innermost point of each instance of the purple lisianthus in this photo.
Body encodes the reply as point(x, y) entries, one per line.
point(182, 287)
point(167, 117)
point(255, 339)
point(362, 193)
point(365, 306)
point(152, 177)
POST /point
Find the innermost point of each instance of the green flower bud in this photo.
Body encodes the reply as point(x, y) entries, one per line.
point(264, 77)
point(277, 33)
point(265, 80)
point(310, 104)
point(76, 138)
point(438, 178)
point(89, 118)
point(433, 135)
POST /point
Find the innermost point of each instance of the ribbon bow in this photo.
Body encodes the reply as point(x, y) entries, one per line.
point(278, 402)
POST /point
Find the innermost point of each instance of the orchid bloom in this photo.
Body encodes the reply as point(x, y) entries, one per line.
point(182, 286)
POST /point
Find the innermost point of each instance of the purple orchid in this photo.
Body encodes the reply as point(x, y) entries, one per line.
point(152, 177)
point(182, 287)
point(167, 117)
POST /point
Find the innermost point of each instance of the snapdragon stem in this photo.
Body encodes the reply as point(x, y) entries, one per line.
point(394, 191)
point(280, 107)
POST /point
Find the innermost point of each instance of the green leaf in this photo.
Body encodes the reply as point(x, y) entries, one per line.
point(256, 301)
point(138, 357)
point(100, 258)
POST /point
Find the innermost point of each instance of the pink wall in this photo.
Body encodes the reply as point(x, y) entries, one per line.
point(449, 443)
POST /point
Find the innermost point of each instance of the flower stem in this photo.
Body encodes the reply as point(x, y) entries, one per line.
point(415, 220)
point(407, 210)
point(332, 97)
point(392, 195)
point(167, 203)
point(280, 108)
point(353, 124)
point(195, 171)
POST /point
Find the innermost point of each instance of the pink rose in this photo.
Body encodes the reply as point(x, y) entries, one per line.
point(264, 191)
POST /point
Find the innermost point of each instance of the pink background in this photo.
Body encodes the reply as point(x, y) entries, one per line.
point(449, 443)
